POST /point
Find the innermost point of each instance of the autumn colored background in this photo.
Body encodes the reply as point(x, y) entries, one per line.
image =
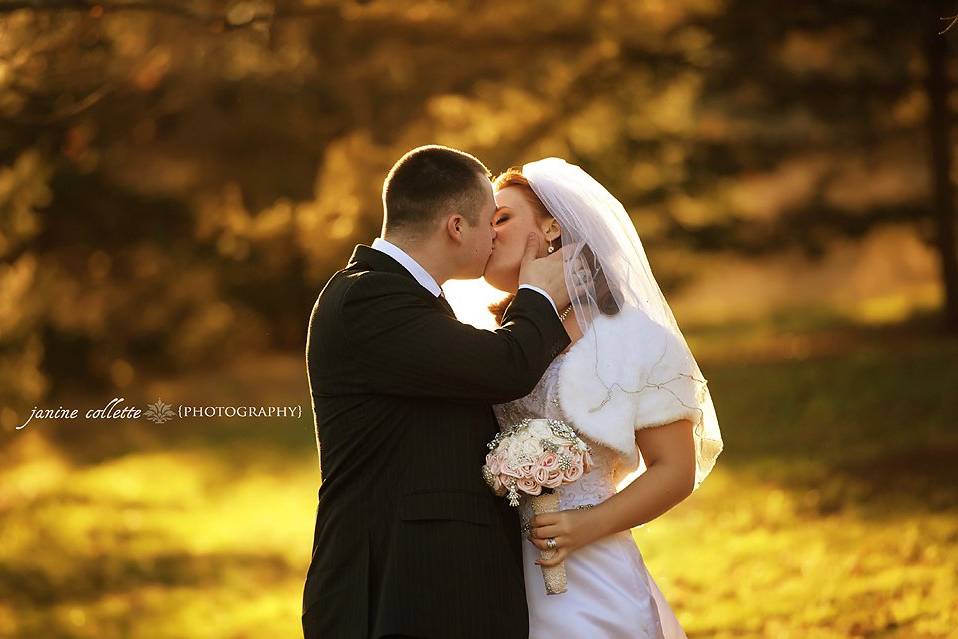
point(178, 180)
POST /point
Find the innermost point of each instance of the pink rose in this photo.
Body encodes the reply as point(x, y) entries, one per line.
point(549, 460)
point(541, 474)
point(573, 472)
point(493, 463)
point(529, 485)
point(554, 479)
point(526, 469)
point(508, 470)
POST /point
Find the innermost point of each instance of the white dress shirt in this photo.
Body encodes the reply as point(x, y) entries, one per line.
point(422, 275)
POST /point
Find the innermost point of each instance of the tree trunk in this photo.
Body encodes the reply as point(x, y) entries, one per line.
point(938, 89)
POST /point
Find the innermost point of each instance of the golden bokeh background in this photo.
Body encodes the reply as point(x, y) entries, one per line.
point(179, 178)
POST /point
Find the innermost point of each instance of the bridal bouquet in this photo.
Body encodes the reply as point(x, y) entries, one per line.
point(535, 457)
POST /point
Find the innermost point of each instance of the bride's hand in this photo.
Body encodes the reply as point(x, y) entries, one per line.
point(572, 529)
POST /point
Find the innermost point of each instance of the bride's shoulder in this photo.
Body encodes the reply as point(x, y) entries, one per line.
point(625, 372)
point(629, 337)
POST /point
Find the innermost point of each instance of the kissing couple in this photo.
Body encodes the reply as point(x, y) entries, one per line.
point(409, 539)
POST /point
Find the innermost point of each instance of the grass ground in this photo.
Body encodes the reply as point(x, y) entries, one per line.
point(833, 511)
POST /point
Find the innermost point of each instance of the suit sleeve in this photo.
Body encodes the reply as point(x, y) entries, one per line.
point(407, 346)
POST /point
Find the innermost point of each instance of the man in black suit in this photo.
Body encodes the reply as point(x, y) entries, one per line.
point(409, 541)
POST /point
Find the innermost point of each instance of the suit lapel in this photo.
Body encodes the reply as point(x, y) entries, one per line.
point(379, 261)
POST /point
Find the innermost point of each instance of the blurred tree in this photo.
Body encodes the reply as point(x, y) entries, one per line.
point(939, 86)
point(179, 178)
point(850, 90)
point(200, 156)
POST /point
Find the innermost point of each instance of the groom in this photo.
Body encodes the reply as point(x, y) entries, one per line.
point(409, 541)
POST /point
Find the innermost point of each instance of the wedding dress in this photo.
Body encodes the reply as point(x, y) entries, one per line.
point(611, 594)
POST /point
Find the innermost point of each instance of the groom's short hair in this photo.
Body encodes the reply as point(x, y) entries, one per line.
point(430, 181)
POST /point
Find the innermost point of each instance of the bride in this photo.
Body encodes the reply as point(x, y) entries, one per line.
point(627, 384)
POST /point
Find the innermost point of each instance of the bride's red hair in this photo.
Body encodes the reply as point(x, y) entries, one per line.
point(514, 178)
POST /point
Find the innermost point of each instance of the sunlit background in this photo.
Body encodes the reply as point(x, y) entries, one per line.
point(178, 180)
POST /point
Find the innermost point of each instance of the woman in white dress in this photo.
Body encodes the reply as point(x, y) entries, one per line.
point(629, 386)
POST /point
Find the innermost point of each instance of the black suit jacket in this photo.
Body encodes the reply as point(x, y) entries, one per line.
point(408, 538)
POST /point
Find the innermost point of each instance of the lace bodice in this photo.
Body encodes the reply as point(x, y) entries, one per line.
point(593, 487)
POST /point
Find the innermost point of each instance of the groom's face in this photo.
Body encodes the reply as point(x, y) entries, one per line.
point(479, 239)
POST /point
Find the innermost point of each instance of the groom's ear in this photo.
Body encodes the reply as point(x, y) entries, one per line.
point(454, 224)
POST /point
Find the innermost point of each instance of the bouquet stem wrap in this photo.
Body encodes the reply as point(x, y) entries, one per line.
point(554, 576)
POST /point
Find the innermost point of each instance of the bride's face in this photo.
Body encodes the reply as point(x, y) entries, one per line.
point(514, 220)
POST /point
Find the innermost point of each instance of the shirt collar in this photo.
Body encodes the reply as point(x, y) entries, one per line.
point(415, 269)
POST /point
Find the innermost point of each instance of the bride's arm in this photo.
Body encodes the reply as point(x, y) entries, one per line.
point(669, 454)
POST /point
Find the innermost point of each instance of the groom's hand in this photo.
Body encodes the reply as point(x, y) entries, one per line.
point(544, 272)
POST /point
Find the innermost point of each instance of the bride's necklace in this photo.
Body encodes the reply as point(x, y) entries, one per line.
point(564, 314)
